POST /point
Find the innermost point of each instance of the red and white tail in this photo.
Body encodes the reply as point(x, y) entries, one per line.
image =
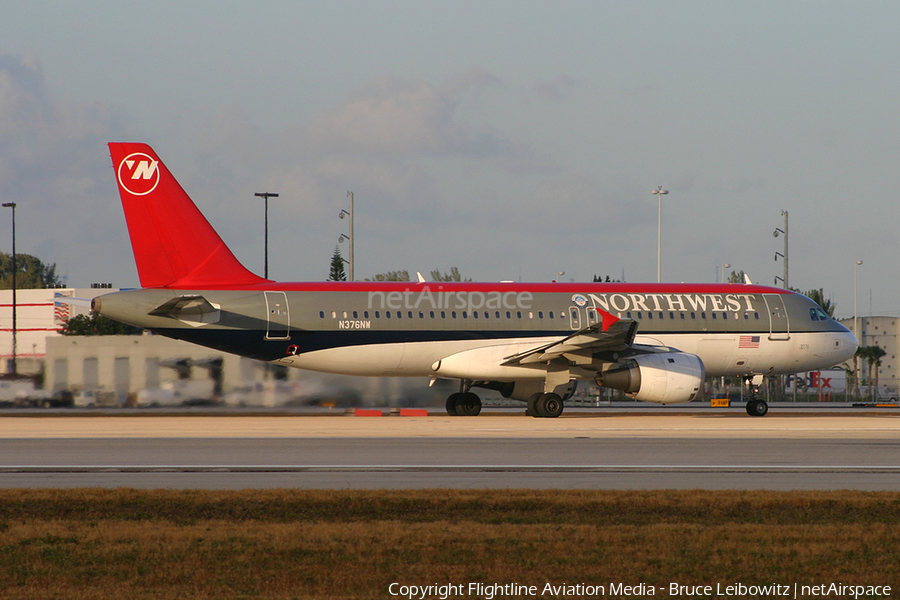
point(174, 245)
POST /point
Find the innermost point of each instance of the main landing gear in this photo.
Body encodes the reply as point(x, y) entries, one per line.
point(463, 404)
point(545, 405)
point(756, 407)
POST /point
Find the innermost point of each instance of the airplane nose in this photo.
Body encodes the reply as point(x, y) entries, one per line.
point(846, 344)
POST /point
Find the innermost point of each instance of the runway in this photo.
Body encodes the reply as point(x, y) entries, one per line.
point(785, 451)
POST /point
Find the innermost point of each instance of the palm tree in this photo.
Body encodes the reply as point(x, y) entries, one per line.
point(874, 358)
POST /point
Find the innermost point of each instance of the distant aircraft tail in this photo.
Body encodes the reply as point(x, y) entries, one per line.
point(174, 245)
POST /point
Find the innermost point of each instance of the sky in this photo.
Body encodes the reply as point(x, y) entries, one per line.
point(513, 140)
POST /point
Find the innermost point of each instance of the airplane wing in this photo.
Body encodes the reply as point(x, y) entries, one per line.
point(610, 335)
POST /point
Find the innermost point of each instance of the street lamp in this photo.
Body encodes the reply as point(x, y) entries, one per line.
point(659, 194)
point(725, 266)
point(15, 368)
point(349, 238)
point(265, 196)
point(784, 256)
point(856, 331)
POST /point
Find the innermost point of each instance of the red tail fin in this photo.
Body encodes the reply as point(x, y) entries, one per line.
point(174, 245)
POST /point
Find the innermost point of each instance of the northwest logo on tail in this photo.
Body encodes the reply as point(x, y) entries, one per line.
point(138, 174)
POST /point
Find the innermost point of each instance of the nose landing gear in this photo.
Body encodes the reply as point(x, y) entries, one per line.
point(756, 407)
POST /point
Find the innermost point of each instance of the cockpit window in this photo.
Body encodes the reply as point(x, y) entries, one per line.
point(817, 314)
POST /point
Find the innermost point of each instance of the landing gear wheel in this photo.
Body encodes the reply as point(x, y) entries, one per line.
point(531, 411)
point(757, 408)
point(550, 405)
point(451, 404)
point(468, 405)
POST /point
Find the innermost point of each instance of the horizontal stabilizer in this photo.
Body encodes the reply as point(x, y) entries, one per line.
point(191, 309)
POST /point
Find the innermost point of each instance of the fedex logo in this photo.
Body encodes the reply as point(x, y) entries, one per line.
point(138, 174)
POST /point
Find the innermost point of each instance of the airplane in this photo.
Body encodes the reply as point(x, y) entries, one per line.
point(528, 341)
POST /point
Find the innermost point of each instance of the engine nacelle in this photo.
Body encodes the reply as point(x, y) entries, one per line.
point(663, 378)
point(523, 390)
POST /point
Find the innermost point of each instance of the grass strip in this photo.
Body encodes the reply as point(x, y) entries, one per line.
point(94, 543)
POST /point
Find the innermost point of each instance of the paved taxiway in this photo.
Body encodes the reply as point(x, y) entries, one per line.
point(721, 450)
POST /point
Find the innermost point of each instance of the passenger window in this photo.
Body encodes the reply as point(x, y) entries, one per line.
point(333, 315)
point(661, 316)
point(355, 315)
point(387, 313)
point(465, 315)
point(321, 314)
point(474, 314)
point(377, 314)
point(540, 314)
point(508, 315)
point(421, 315)
point(432, 314)
point(453, 314)
point(366, 314)
point(649, 315)
point(519, 314)
point(443, 315)
point(551, 314)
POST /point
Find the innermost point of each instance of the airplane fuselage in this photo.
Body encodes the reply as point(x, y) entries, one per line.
point(405, 329)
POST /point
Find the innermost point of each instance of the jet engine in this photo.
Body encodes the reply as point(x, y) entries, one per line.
point(663, 378)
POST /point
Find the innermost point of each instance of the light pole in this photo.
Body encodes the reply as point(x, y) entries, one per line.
point(784, 232)
point(265, 196)
point(725, 266)
point(15, 368)
point(343, 237)
point(856, 331)
point(659, 194)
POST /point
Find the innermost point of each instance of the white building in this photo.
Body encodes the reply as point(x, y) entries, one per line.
point(883, 332)
point(39, 315)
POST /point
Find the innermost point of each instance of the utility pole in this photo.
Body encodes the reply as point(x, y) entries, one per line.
point(659, 192)
point(784, 232)
point(265, 196)
point(343, 237)
point(15, 366)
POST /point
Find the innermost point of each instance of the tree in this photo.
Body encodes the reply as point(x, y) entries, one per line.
point(872, 356)
point(31, 272)
point(95, 324)
point(600, 279)
point(736, 277)
point(337, 266)
point(453, 275)
point(391, 276)
point(818, 296)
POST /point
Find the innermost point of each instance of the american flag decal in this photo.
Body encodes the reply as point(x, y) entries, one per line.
point(748, 341)
point(61, 310)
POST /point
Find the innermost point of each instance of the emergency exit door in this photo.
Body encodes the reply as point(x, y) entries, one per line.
point(278, 316)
